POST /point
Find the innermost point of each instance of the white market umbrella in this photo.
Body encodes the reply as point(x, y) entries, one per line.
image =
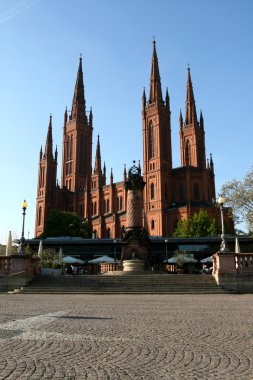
point(9, 245)
point(102, 259)
point(40, 250)
point(72, 260)
point(237, 246)
point(207, 260)
point(60, 255)
point(183, 258)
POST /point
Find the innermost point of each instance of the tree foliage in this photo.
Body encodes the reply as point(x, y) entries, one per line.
point(200, 224)
point(60, 223)
point(239, 196)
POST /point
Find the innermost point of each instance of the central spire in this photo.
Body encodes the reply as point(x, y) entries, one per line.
point(49, 142)
point(97, 167)
point(155, 82)
point(78, 104)
point(190, 109)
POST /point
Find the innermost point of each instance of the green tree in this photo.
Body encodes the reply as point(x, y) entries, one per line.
point(239, 196)
point(200, 224)
point(60, 223)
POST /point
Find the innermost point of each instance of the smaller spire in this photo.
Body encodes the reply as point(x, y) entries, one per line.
point(139, 166)
point(181, 122)
point(104, 173)
point(211, 162)
point(49, 142)
point(207, 164)
point(90, 117)
point(56, 153)
point(41, 153)
point(111, 177)
point(97, 168)
point(124, 173)
point(167, 99)
point(144, 100)
point(201, 120)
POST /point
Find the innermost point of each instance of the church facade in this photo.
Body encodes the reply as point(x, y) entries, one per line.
point(170, 194)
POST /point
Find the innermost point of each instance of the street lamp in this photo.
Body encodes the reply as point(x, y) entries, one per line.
point(223, 247)
point(22, 240)
point(114, 252)
point(166, 249)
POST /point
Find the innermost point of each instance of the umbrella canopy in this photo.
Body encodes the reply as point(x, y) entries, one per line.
point(72, 260)
point(182, 258)
point(237, 246)
point(40, 250)
point(207, 260)
point(102, 259)
point(60, 255)
point(9, 245)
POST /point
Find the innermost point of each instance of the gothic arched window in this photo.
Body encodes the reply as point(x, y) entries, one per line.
point(152, 224)
point(40, 216)
point(152, 191)
point(196, 191)
point(188, 153)
point(181, 192)
point(151, 147)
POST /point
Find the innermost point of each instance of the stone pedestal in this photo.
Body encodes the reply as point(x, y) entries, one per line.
point(133, 266)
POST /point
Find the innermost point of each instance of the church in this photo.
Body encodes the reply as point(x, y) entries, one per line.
point(170, 194)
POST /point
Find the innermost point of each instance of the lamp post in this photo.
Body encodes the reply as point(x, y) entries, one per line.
point(224, 246)
point(166, 249)
point(22, 240)
point(114, 252)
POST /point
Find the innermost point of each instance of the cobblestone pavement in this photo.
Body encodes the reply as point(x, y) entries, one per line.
point(126, 337)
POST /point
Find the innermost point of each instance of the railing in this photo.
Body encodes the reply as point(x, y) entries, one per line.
point(244, 262)
point(14, 264)
point(5, 263)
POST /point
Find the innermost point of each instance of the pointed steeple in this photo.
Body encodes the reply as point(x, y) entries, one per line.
point(78, 104)
point(211, 163)
point(104, 174)
point(155, 82)
point(56, 153)
point(111, 177)
point(124, 173)
point(181, 122)
point(41, 153)
point(90, 117)
point(49, 142)
point(201, 120)
point(190, 108)
point(97, 168)
point(144, 100)
point(167, 99)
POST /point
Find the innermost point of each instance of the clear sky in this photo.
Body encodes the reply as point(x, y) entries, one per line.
point(41, 41)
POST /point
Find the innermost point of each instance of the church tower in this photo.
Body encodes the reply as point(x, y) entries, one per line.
point(157, 156)
point(192, 134)
point(77, 150)
point(46, 188)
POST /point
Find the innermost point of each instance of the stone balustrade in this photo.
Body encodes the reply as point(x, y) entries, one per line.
point(13, 264)
point(244, 263)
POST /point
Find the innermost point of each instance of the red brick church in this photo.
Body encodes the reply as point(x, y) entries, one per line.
point(170, 194)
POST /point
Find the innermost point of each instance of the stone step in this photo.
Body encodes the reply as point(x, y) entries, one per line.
point(125, 284)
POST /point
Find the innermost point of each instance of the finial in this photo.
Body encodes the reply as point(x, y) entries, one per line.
point(134, 161)
point(154, 40)
point(81, 57)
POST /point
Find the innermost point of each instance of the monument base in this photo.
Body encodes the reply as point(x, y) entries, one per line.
point(133, 266)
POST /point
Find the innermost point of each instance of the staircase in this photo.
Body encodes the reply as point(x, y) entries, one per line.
point(149, 283)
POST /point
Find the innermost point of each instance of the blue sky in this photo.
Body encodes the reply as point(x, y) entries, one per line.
point(41, 41)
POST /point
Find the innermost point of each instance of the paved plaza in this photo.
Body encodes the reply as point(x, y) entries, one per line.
point(126, 337)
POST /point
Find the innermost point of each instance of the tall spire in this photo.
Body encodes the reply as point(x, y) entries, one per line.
point(97, 168)
point(190, 109)
point(78, 104)
point(155, 82)
point(49, 142)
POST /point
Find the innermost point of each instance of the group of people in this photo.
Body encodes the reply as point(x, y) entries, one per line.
point(71, 269)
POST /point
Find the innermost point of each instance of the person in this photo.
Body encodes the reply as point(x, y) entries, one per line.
point(69, 270)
